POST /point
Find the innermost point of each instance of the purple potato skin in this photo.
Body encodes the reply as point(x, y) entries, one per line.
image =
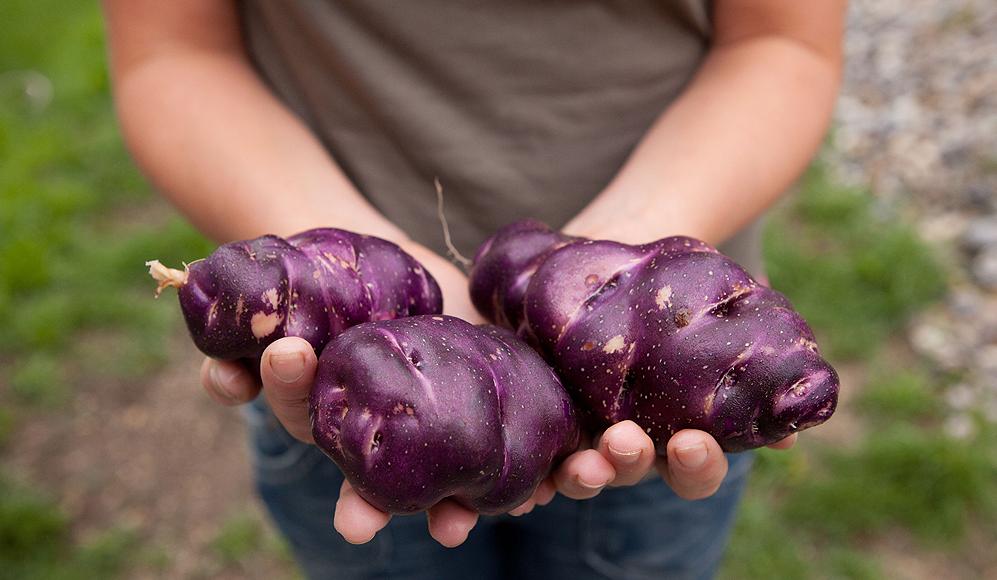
point(671, 334)
point(420, 409)
point(312, 285)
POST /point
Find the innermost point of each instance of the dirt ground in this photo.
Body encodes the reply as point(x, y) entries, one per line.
point(156, 457)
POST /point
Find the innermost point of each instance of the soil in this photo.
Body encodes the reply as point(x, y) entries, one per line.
point(156, 457)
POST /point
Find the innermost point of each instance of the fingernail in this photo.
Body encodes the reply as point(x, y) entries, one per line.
point(222, 379)
point(625, 457)
point(287, 366)
point(588, 485)
point(691, 457)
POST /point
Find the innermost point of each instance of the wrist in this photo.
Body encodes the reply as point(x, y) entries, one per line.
point(439, 266)
point(634, 218)
point(451, 278)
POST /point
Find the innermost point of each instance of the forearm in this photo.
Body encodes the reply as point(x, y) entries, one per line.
point(228, 155)
point(211, 136)
point(726, 150)
point(236, 162)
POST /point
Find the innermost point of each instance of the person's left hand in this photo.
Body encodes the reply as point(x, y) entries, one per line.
point(623, 455)
point(694, 465)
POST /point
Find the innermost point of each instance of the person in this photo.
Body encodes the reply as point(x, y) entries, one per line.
point(615, 120)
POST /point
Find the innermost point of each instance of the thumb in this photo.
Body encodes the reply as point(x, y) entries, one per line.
point(288, 370)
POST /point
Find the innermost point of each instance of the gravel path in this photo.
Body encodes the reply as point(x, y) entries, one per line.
point(156, 458)
point(917, 122)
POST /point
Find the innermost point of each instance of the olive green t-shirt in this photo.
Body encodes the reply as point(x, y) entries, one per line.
point(522, 108)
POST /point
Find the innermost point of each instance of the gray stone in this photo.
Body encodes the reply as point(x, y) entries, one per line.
point(984, 268)
point(982, 197)
point(981, 234)
point(960, 427)
point(985, 361)
point(961, 397)
point(938, 344)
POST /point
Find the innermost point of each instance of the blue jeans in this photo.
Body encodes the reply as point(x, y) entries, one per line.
point(643, 531)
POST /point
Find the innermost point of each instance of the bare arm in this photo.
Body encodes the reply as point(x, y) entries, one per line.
point(220, 146)
point(238, 164)
point(739, 135)
point(232, 158)
point(735, 140)
point(211, 136)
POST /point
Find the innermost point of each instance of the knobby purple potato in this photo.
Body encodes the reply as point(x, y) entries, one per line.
point(313, 285)
point(420, 409)
point(671, 334)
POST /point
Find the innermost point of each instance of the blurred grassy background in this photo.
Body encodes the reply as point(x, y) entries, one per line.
point(880, 492)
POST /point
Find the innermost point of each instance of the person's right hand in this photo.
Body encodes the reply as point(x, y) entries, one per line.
point(287, 369)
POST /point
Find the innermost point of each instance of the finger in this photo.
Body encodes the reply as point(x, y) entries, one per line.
point(288, 370)
point(583, 474)
point(786, 443)
point(524, 508)
point(695, 465)
point(629, 450)
point(450, 523)
point(227, 382)
point(356, 520)
point(545, 492)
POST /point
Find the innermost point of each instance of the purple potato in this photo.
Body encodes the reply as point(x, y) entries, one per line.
point(671, 334)
point(420, 409)
point(313, 285)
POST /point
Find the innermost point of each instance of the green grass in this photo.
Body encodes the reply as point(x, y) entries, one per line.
point(239, 537)
point(243, 537)
point(67, 265)
point(35, 542)
point(38, 379)
point(31, 526)
point(7, 424)
point(855, 270)
point(816, 512)
point(902, 476)
point(858, 274)
point(76, 304)
point(904, 395)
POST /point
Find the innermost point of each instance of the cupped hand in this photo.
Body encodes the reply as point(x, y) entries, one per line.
point(694, 465)
point(288, 368)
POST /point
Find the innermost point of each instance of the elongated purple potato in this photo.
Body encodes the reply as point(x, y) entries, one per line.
point(671, 334)
point(420, 409)
point(313, 285)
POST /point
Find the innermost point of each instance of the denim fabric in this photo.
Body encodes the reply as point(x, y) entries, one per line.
point(639, 532)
